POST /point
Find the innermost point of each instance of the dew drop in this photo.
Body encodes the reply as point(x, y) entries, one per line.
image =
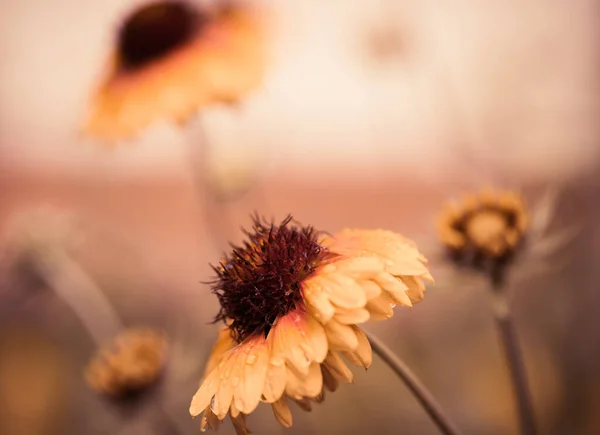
point(251, 359)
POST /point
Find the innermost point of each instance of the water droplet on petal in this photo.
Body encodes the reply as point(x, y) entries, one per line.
point(251, 359)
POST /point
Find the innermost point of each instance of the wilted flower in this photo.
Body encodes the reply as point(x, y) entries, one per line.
point(173, 58)
point(291, 299)
point(131, 363)
point(492, 229)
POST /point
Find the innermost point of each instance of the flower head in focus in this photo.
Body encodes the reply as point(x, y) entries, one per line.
point(172, 58)
point(130, 364)
point(292, 299)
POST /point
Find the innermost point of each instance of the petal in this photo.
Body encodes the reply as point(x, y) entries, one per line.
point(317, 300)
point(223, 344)
point(304, 404)
point(351, 316)
point(342, 290)
point(382, 307)
point(299, 386)
point(209, 421)
point(282, 412)
point(360, 267)
point(371, 289)
point(299, 339)
point(400, 254)
point(254, 363)
point(239, 424)
point(363, 355)
point(205, 393)
point(275, 381)
point(337, 368)
point(395, 288)
point(329, 380)
point(340, 337)
point(239, 377)
point(416, 288)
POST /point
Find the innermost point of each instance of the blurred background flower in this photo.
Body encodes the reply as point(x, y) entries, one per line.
point(342, 135)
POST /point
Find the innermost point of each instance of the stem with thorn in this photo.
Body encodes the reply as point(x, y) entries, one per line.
point(414, 384)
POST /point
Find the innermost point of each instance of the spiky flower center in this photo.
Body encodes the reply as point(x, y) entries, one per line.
point(155, 30)
point(262, 280)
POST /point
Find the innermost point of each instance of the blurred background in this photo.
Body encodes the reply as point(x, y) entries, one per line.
point(372, 114)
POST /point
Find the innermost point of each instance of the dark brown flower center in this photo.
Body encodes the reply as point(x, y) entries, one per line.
point(155, 30)
point(261, 280)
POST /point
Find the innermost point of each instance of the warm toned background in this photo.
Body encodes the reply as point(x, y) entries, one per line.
point(371, 116)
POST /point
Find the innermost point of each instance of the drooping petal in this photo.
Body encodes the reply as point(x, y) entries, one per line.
point(299, 339)
point(337, 368)
point(340, 336)
point(239, 378)
point(282, 412)
point(363, 355)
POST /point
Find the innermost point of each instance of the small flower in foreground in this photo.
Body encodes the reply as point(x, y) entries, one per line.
point(133, 362)
point(291, 299)
point(173, 58)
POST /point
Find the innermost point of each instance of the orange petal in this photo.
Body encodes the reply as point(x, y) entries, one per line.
point(282, 412)
point(363, 355)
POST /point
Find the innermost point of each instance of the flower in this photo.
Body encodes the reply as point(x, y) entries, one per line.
point(291, 299)
point(133, 362)
point(493, 229)
point(172, 59)
point(488, 224)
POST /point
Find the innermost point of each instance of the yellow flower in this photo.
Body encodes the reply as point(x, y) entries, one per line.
point(291, 300)
point(172, 59)
point(133, 362)
point(486, 225)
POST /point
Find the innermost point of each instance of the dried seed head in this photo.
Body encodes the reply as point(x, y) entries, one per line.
point(261, 280)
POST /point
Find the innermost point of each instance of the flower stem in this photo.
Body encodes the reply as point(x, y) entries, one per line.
point(76, 288)
point(514, 358)
point(216, 214)
point(414, 384)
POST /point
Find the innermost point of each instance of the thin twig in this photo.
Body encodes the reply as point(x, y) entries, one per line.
point(218, 223)
point(70, 281)
point(514, 358)
point(414, 384)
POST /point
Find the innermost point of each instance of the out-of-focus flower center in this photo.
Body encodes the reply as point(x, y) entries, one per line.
point(155, 30)
point(130, 364)
point(486, 228)
point(262, 280)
